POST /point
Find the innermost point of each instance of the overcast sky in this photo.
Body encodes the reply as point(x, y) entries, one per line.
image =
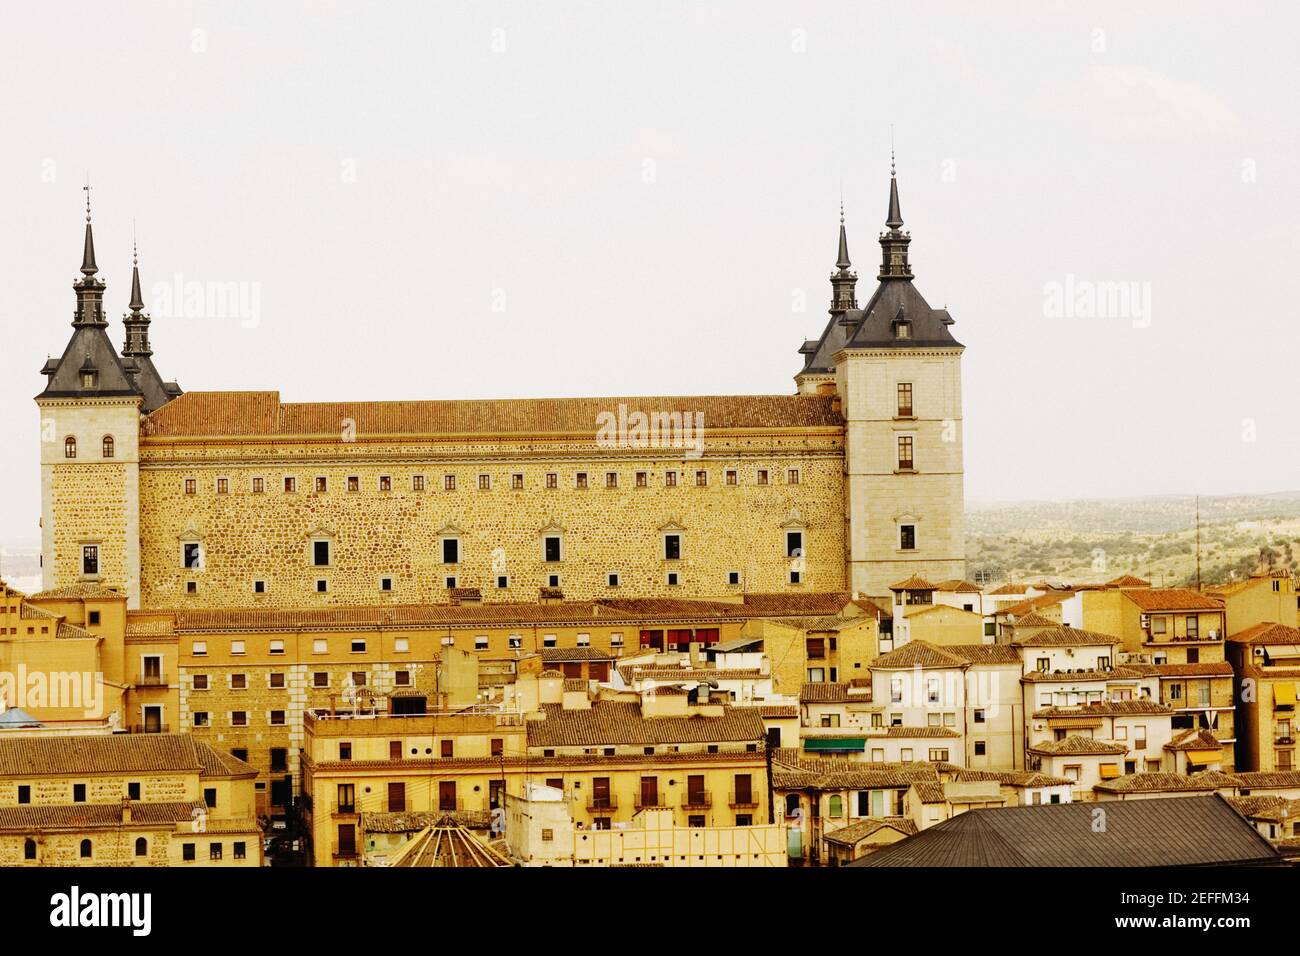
point(438, 200)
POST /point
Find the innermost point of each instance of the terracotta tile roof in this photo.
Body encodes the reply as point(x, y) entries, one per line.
point(1168, 783)
point(1008, 589)
point(1081, 746)
point(88, 755)
point(914, 583)
point(1264, 808)
point(826, 693)
point(1269, 780)
point(1013, 778)
point(908, 733)
point(1108, 708)
point(535, 761)
point(86, 590)
point(1060, 636)
point(572, 684)
point(1127, 581)
point(865, 827)
point(918, 654)
point(793, 771)
point(1173, 599)
point(197, 414)
point(637, 672)
point(571, 655)
point(929, 792)
point(611, 723)
point(1118, 673)
point(958, 586)
point(150, 627)
point(94, 816)
point(1033, 619)
point(1267, 633)
point(984, 653)
point(1036, 603)
point(1194, 740)
point(777, 711)
point(220, 763)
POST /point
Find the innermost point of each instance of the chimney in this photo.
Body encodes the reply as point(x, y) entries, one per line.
point(126, 809)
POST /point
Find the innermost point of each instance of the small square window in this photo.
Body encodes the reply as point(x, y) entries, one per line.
point(358, 646)
point(191, 587)
point(552, 580)
point(672, 579)
point(277, 718)
point(259, 587)
point(320, 646)
point(503, 581)
point(385, 584)
point(515, 642)
point(450, 581)
point(402, 678)
point(187, 852)
point(733, 577)
point(481, 643)
point(320, 679)
point(548, 640)
point(612, 579)
point(322, 586)
point(401, 645)
point(199, 648)
point(277, 646)
point(200, 718)
point(276, 681)
point(200, 682)
point(616, 640)
point(795, 577)
point(239, 718)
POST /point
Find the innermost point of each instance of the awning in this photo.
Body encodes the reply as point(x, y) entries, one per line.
point(1074, 721)
point(844, 744)
point(1204, 756)
point(1284, 694)
point(1109, 771)
point(1283, 650)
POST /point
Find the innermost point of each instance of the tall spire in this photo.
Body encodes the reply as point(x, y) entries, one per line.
point(894, 242)
point(136, 322)
point(843, 280)
point(88, 266)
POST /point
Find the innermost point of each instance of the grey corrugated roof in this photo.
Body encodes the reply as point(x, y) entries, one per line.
point(1176, 831)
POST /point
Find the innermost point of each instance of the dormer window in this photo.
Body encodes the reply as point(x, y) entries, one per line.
point(903, 330)
point(89, 378)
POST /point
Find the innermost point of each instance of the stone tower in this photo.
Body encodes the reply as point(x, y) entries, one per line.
point(897, 369)
point(90, 429)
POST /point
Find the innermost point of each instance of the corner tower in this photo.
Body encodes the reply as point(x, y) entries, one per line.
point(90, 472)
point(897, 370)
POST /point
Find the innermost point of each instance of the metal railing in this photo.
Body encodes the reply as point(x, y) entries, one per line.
point(145, 729)
point(700, 798)
point(651, 800)
point(603, 802)
point(151, 680)
point(741, 800)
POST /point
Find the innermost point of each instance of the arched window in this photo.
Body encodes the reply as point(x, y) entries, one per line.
point(69, 447)
point(108, 446)
point(87, 848)
point(29, 849)
point(141, 846)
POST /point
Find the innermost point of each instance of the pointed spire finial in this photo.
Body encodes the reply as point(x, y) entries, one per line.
point(88, 267)
point(86, 189)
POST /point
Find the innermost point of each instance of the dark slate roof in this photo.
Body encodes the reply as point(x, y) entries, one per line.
point(1176, 831)
point(872, 326)
point(88, 342)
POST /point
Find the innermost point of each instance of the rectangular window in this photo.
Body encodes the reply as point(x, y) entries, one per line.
point(322, 484)
point(320, 554)
point(905, 453)
point(259, 587)
point(670, 479)
point(239, 718)
point(237, 648)
point(238, 681)
point(90, 559)
point(199, 648)
point(385, 584)
point(701, 478)
point(731, 476)
point(200, 682)
point(793, 544)
point(277, 680)
point(191, 555)
point(552, 480)
point(551, 548)
point(503, 581)
point(417, 482)
point(402, 678)
point(385, 482)
point(484, 482)
point(448, 482)
point(762, 476)
point(642, 479)
point(289, 485)
point(277, 718)
point(223, 486)
point(904, 399)
point(792, 476)
point(354, 483)
point(447, 749)
point(517, 482)
point(200, 718)
point(259, 486)
point(907, 537)
point(580, 480)
point(450, 551)
point(611, 479)
point(191, 486)
point(612, 579)
point(320, 679)
point(358, 646)
point(672, 547)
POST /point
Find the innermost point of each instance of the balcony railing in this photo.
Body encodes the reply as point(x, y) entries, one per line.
point(344, 853)
point(604, 802)
point(700, 798)
point(345, 809)
point(741, 800)
point(1283, 741)
point(151, 680)
point(150, 729)
point(644, 800)
point(451, 806)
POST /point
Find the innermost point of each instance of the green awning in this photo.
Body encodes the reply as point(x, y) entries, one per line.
point(835, 743)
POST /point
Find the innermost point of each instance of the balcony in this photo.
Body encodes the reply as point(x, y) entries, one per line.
point(149, 729)
point(699, 800)
point(151, 680)
point(742, 801)
point(451, 806)
point(602, 802)
point(345, 809)
point(648, 800)
point(1284, 741)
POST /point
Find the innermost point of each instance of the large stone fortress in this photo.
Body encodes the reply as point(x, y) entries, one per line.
point(237, 499)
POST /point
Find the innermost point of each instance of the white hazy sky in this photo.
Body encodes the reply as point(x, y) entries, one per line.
point(645, 188)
